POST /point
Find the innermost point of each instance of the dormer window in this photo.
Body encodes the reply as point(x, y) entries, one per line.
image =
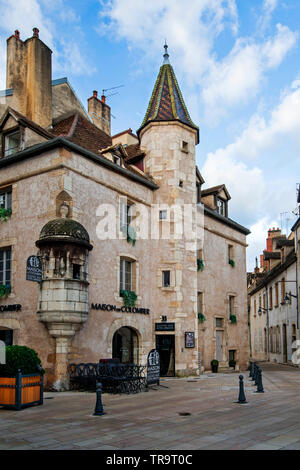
point(11, 143)
point(221, 207)
point(116, 160)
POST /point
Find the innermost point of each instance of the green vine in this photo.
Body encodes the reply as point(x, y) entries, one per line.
point(232, 318)
point(5, 290)
point(200, 264)
point(201, 317)
point(4, 214)
point(230, 261)
point(129, 297)
point(131, 235)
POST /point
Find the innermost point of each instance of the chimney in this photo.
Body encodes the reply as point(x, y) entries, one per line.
point(99, 112)
point(29, 74)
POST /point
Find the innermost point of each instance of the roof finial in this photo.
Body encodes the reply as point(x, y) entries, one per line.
point(166, 55)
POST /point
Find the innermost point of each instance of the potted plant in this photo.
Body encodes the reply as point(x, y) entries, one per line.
point(232, 318)
point(200, 264)
point(214, 365)
point(231, 262)
point(21, 378)
point(129, 297)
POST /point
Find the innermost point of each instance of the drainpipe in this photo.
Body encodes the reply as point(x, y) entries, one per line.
point(268, 324)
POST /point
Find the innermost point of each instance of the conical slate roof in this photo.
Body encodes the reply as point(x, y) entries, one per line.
point(166, 102)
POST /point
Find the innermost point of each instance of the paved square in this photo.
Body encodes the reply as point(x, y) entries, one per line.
point(152, 421)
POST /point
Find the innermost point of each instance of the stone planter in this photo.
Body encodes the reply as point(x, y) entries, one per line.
point(18, 391)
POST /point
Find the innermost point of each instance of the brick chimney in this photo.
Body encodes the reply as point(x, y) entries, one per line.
point(99, 112)
point(29, 73)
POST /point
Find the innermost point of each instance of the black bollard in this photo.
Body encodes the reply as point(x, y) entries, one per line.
point(256, 375)
point(254, 372)
point(242, 398)
point(251, 369)
point(260, 388)
point(99, 407)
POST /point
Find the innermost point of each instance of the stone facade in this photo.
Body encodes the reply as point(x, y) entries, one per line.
point(78, 313)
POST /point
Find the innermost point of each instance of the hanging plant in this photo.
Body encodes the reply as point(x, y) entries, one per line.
point(200, 264)
point(4, 290)
point(4, 214)
point(232, 318)
point(201, 317)
point(131, 235)
point(230, 261)
point(129, 297)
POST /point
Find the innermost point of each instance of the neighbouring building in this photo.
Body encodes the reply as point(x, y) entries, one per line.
point(273, 301)
point(134, 253)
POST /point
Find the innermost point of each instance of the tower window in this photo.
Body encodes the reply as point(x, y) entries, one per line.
point(181, 184)
point(166, 278)
point(184, 146)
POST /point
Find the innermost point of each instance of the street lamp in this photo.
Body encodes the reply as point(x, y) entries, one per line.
point(287, 298)
point(259, 311)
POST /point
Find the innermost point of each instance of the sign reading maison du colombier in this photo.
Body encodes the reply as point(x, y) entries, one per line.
point(114, 308)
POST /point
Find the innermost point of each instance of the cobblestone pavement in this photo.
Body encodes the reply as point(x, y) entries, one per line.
point(152, 420)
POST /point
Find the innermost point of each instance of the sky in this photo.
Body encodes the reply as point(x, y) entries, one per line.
point(238, 66)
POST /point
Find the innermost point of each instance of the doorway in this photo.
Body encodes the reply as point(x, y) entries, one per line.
point(219, 345)
point(126, 346)
point(6, 336)
point(165, 345)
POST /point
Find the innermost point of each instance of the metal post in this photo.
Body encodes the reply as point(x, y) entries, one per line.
point(256, 375)
point(242, 398)
point(254, 371)
point(260, 388)
point(99, 407)
point(18, 402)
point(251, 369)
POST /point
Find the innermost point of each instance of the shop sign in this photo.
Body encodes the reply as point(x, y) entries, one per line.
point(153, 367)
point(10, 308)
point(164, 326)
point(189, 339)
point(34, 269)
point(114, 308)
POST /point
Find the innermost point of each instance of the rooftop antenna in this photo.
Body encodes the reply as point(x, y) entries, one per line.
point(112, 88)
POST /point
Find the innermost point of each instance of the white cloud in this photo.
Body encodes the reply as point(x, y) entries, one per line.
point(267, 10)
point(24, 15)
point(190, 31)
point(238, 76)
point(260, 135)
point(257, 240)
point(191, 34)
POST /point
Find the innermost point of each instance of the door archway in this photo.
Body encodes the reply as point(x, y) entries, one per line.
point(125, 345)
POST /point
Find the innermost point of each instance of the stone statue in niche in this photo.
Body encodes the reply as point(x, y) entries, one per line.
point(64, 210)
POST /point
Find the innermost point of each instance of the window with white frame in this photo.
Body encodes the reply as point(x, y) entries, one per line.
point(5, 266)
point(126, 275)
point(231, 305)
point(163, 215)
point(125, 214)
point(221, 207)
point(11, 143)
point(5, 199)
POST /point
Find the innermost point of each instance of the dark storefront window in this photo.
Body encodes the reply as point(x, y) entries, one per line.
point(7, 337)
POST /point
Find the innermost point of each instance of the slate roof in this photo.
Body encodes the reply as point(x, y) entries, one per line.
point(166, 102)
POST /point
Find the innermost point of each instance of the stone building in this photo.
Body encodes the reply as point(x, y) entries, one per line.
point(273, 301)
point(135, 255)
